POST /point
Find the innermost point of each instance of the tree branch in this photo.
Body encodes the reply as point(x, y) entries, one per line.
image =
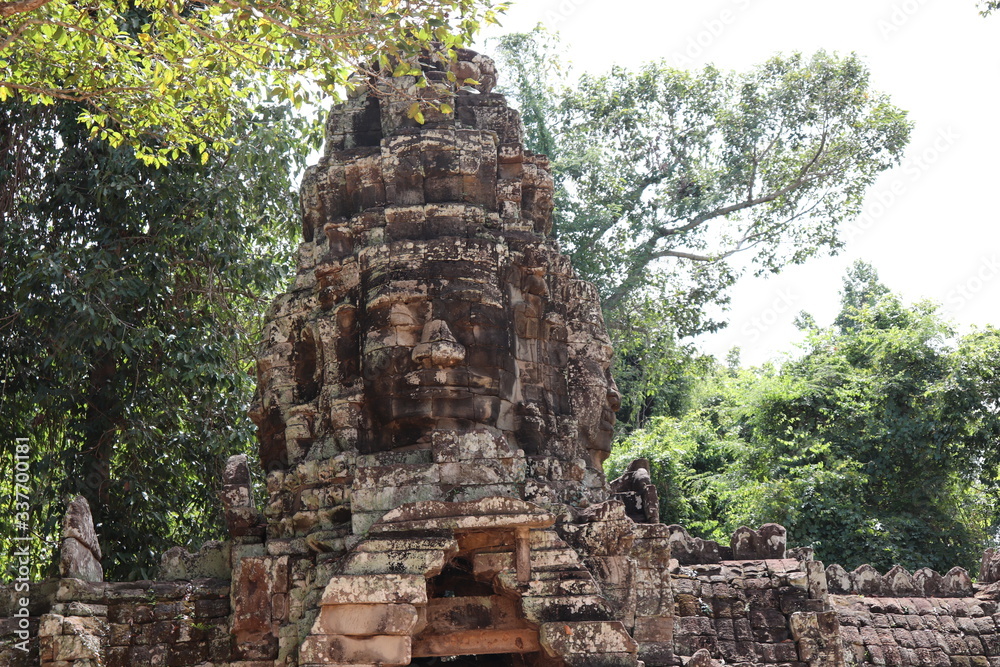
point(648, 252)
point(73, 95)
point(20, 7)
point(749, 203)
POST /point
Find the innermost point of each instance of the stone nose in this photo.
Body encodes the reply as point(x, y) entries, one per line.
point(614, 397)
point(438, 347)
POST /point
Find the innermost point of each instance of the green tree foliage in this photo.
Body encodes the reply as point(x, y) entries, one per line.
point(129, 300)
point(656, 373)
point(862, 289)
point(878, 444)
point(181, 71)
point(989, 7)
point(686, 455)
point(695, 167)
point(670, 183)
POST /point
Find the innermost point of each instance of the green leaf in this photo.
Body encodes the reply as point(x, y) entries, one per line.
point(209, 63)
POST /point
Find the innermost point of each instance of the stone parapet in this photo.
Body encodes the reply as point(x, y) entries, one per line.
point(898, 582)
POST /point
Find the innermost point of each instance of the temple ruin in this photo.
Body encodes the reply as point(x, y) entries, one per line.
point(434, 407)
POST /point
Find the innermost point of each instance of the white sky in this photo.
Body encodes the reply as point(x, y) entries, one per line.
point(931, 226)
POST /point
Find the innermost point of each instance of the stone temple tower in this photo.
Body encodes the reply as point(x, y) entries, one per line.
point(434, 400)
point(433, 327)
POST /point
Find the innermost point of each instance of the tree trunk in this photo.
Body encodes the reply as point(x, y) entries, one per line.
point(102, 416)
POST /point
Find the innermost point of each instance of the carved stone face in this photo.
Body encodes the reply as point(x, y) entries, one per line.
point(595, 400)
point(436, 339)
point(429, 299)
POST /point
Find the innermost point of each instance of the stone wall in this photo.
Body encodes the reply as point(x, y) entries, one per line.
point(919, 631)
point(923, 619)
point(179, 624)
point(622, 589)
point(773, 611)
point(40, 597)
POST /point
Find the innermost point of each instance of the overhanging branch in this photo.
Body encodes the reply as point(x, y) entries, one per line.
point(20, 7)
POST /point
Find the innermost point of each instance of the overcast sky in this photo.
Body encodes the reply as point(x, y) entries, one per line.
point(931, 226)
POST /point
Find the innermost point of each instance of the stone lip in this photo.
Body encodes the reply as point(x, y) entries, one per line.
point(490, 512)
point(211, 561)
point(898, 582)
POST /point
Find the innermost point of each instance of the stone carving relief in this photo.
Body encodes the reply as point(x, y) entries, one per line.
point(430, 304)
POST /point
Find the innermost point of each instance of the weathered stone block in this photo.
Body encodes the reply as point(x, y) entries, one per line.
point(78, 523)
point(414, 561)
point(691, 644)
point(488, 564)
point(804, 625)
point(694, 625)
point(565, 639)
point(366, 619)
point(956, 583)
point(658, 602)
point(656, 652)
point(771, 541)
point(183, 654)
point(211, 561)
point(377, 589)
point(76, 561)
point(70, 648)
point(767, 618)
point(79, 609)
point(867, 580)
point(549, 587)
point(816, 575)
point(744, 543)
point(339, 649)
point(838, 579)
point(654, 629)
point(897, 582)
point(211, 608)
point(379, 544)
point(568, 608)
point(490, 512)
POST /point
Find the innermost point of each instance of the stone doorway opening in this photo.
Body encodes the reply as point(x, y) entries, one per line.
point(468, 622)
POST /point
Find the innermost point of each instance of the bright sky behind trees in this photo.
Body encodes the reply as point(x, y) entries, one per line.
point(931, 226)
